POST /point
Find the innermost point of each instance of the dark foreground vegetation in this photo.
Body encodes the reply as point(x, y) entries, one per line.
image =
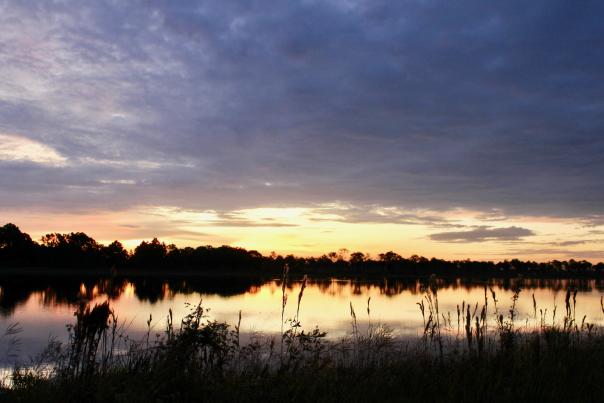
point(77, 250)
point(479, 353)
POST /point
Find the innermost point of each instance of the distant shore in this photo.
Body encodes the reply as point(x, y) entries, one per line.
point(77, 253)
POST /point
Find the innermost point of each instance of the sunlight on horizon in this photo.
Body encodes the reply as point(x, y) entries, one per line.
point(319, 229)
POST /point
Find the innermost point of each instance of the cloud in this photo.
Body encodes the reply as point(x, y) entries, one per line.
point(574, 243)
point(131, 226)
point(375, 214)
point(559, 253)
point(117, 181)
point(19, 148)
point(594, 220)
point(416, 104)
point(483, 234)
point(238, 218)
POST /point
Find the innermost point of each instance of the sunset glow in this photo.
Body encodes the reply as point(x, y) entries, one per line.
point(317, 230)
point(214, 125)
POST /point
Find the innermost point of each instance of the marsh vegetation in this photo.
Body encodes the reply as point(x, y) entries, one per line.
point(478, 352)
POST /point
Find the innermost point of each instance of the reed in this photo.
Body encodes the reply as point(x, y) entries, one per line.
point(283, 301)
point(203, 359)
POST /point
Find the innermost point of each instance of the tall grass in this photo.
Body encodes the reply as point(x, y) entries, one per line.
point(487, 354)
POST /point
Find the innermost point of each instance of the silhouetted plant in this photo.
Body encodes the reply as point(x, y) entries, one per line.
point(85, 335)
point(203, 357)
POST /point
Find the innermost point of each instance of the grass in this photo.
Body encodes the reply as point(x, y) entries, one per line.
point(482, 354)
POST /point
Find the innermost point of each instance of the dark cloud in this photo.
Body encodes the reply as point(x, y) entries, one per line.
point(596, 255)
point(594, 220)
point(570, 243)
point(565, 243)
point(237, 219)
point(419, 104)
point(375, 214)
point(483, 234)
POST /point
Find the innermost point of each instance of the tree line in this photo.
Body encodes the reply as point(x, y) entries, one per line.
point(78, 250)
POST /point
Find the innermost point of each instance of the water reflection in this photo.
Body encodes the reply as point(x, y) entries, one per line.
point(53, 291)
point(44, 305)
point(16, 290)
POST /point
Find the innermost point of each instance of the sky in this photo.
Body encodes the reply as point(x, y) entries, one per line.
point(465, 129)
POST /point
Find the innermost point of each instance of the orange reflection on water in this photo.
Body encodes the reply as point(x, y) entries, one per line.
point(325, 304)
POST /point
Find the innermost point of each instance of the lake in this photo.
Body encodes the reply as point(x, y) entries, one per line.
point(43, 306)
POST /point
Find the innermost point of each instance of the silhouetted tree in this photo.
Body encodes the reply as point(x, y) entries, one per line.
point(115, 255)
point(357, 258)
point(150, 254)
point(77, 249)
point(390, 257)
point(16, 247)
point(72, 250)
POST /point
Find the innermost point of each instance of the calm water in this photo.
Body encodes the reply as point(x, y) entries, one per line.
point(42, 307)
